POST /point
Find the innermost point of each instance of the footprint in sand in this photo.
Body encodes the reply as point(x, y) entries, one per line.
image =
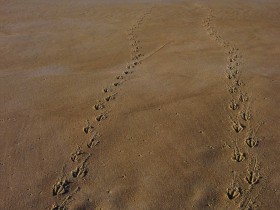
point(135, 43)
point(80, 171)
point(58, 207)
point(230, 75)
point(99, 106)
point(119, 77)
point(61, 206)
point(237, 63)
point(230, 67)
point(75, 157)
point(61, 187)
point(237, 155)
point(234, 105)
point(247, 203)
point(253, 176)
point(252, 142)
point(136, 49)
point(101, 117)
point(243, 97)
point(246, 115)
point(239, 82)
point(106, 90)
point(232, 90)
point(231, 60)
point(234, 191)
point(130, 66)
point(111, 97)
point(134, 57)
point(238, 127)
point(128, 72)
point(94, 141)
point(251, 139)
point(87, 128)
point(117, 84)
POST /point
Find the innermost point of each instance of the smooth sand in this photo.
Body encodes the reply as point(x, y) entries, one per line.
point(168, 137)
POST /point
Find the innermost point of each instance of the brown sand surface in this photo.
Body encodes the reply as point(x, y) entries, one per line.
point(139, 104)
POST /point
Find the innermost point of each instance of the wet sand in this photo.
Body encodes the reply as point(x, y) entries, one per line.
point(139, 105)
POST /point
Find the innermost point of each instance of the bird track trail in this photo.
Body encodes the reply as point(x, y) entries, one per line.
point(242, 191)
point(62, 188)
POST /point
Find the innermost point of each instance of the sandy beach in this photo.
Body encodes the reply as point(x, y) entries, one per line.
point(139, 104)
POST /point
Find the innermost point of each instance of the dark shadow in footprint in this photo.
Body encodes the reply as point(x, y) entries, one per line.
point(117, 84)
point(233, 192)
point(128, 72)
point(99, 106)
point(111, 97)
point(101, 117)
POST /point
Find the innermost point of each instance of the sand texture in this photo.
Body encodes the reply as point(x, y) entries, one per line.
point(139, 104)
